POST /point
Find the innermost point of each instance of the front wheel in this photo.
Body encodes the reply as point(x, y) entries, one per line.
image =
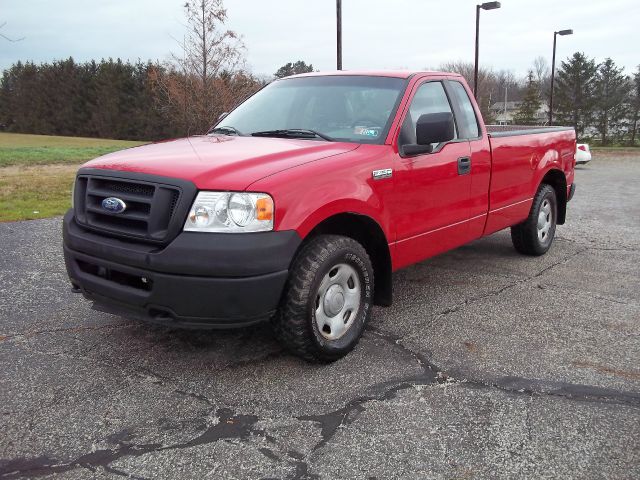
point(327, 299)
point(535, 235)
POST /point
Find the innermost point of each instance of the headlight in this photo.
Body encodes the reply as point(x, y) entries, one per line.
point(229, 212)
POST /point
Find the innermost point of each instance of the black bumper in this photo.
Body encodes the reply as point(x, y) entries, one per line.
point(572, 190)
point(201, 280)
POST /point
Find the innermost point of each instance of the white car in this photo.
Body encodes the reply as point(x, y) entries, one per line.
point(583, 154)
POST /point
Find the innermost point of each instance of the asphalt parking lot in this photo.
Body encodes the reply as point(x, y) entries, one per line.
point(489, 365)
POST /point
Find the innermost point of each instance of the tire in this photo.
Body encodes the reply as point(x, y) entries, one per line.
point(327, 299)
point(535, 235)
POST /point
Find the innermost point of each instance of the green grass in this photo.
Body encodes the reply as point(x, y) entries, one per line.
point(20, 149)
point(615, 149)
point(36, 172)
point(28, 193)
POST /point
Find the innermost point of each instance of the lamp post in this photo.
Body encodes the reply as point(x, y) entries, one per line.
point(339, 33)
point(553, 70)
point(483, 6)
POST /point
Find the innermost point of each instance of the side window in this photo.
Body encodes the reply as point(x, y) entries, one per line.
point(468, 123)
point(429, 98)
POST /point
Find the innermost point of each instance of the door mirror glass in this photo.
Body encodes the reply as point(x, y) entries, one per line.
point(435, 128)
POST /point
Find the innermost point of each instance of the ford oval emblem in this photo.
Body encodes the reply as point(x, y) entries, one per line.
point(114, 205)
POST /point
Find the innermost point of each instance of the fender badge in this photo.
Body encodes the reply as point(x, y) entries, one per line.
point(384, 173)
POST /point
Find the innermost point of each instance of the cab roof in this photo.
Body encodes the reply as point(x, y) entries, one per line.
point(374, 73)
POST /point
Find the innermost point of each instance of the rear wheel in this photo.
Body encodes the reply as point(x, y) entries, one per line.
point(327, 299)
point(535, 235)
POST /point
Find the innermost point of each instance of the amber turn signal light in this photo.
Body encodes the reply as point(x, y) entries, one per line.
point(264, 209)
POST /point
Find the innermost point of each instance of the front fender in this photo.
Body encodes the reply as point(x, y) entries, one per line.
point(304, 197)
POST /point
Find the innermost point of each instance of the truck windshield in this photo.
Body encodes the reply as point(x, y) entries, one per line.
point(342, 108)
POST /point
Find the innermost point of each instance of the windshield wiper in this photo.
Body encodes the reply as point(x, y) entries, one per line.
point(225, 130)
point(293, 132)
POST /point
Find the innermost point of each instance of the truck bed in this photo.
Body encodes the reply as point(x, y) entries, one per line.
point(518, 164)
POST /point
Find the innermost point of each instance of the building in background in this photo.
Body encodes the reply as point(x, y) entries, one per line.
point(504, 112)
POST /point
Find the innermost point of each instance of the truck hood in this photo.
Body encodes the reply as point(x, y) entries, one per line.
point(218, 161)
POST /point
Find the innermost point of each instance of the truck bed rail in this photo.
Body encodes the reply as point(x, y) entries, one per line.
point(513, 130)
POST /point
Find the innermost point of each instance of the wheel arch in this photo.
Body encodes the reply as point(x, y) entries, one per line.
point(557, 180)
point(366, 231)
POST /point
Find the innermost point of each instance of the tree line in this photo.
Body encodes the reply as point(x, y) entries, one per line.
point(108, 99)
point(124, 100)
point(134, 100)
point(598, 99)
point(137, 100)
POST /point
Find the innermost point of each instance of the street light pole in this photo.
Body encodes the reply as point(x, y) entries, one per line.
point(553, 70)
point(483, 6)
point(475, 68)
point(339, 33)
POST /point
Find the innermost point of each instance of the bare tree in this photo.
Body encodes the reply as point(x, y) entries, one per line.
point(9, 39)
point(195, 86)
point(505, 85)
point(485, 82)
point(542, 73)
point(541, 69)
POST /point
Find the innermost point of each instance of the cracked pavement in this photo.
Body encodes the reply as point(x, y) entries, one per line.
point(488, 365)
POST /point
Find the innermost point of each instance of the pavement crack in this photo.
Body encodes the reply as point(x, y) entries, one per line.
point(395, 341)
point(570, 391)
point(122, 473)
point(610, 248)
point(331, 422)
point(80, 328)
point(229, 426)
point(521, 385)
point(493, 293)
point(197, 396)
point(335, 420)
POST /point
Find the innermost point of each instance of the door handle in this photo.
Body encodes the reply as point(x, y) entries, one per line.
point(464, 166)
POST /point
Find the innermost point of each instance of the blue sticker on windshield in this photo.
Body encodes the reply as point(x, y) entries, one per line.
point(366, 131)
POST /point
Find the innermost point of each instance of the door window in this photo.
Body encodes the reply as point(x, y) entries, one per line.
point(429, 98)
point(468, 122)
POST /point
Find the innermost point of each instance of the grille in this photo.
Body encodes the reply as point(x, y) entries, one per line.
point(151, 212)
point(135, 189)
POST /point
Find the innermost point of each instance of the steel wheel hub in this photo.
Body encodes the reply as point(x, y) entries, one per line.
point(333, 300)
point(544, 221)
point(337, 301)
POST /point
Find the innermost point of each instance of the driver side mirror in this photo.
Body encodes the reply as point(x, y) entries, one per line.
point(431, 128)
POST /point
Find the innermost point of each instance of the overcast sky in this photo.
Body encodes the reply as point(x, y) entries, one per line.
point(378, 34)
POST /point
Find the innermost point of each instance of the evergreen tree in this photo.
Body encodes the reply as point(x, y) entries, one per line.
point(528, 112)
point(612, 89)
point(575, 92)
point(293, 69)
point(635, 106)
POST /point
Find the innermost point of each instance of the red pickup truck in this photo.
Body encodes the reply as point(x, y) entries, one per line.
point(300, 203)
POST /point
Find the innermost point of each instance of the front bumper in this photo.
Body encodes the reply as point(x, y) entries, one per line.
point(199, 280)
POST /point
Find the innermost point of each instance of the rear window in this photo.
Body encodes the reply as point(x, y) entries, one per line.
point(468, 124)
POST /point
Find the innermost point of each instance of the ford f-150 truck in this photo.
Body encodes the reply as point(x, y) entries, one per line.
point(298, 205)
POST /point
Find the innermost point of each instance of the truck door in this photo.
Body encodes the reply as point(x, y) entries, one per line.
point(470, 128)
point(432, 190)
